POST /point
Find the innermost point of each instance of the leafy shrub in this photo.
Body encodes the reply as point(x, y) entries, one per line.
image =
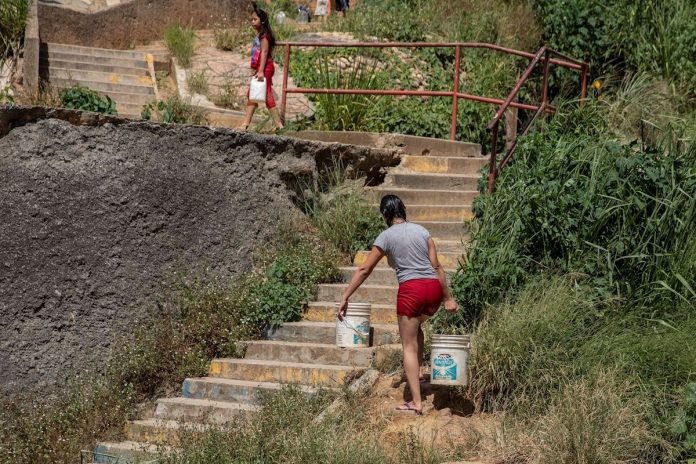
point(286, 277)
point(683, 426)
point(6, 95)
point(174, 110)
point(78, 97)
point(180, 41)
point(231, 38)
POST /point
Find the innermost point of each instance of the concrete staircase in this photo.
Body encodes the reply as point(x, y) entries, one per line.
point(304, 353)
point(123, 75)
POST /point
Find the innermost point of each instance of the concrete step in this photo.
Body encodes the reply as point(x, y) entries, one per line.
point(379, 276)
point(438, 213)
point(200, 410)
point(95, 52)
point(238, 391)
point(301, 352)
point(379, 294)
point(442, 164)
point(129, 109)
point(95, 76)
point(325, 332)
point(46, 66)
point(124, 61)
point(325, 311)
point(101, 86)
point(412, 197)
point(464, 182)
point(159, 432)
point(448, 259)
point(457, 246)
point(126, 452)
point(316, 375)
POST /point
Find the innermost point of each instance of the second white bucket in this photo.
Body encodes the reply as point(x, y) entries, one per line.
point(354, 330)
point(449, 360)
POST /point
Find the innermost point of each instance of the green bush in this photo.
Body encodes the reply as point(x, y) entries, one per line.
point(78, 97)
point(180, 41)
point(683, 426)
point(174, 110)
point(286, 278)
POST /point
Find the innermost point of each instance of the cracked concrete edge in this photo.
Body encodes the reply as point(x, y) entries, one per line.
point(359, 386)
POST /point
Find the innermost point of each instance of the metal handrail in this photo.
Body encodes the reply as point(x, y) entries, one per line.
point(544, 55)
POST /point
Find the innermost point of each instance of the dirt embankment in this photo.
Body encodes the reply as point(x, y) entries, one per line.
point(95, 218)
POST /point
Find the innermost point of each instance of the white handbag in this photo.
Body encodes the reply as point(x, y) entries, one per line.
point(257, 90)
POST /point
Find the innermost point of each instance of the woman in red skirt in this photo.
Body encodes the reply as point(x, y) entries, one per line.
point(412, 254)
point(262, 63)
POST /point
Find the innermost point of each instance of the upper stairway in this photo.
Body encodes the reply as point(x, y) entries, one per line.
point(123, 75)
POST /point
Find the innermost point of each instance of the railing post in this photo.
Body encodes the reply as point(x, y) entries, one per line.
point(493, 165)
point(455, 91)
point(545, 91)
point(583, 84)
point(286, 70)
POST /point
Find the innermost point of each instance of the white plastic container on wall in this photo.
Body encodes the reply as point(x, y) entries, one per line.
point(449, 360)
point(354, 330)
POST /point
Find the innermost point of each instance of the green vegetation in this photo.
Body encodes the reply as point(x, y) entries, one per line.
point(180, 40)
point(197, 82)
point(13, 18)
point(341, 214)
point(174, 110)
point(78, 97)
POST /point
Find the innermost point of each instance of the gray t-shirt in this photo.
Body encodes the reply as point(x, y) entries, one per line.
point(406, 247)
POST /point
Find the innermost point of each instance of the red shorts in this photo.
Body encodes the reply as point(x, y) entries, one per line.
point(419, 297)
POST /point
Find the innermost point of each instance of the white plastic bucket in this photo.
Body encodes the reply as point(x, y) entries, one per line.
point(354, 330)
point(449, 360)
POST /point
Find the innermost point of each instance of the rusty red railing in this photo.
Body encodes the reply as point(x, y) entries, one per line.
point(544, 55)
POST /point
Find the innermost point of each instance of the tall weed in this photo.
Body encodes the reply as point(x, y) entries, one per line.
point(13, 18)
point(180, 40)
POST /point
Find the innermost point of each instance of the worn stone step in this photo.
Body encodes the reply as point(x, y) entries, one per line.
point(413, 197)
point(107, 78)
point(129, 109)
point(418, 213)
point(446, 230)
point(160, 432)
point(316, 375)
point(106, 88)
point(383, 294)
point(447, 259)
point(433, 181)
point(127, 452)
point(457, 246)
point(46, 66)
point(325, 332)
point(239, 391)
point(379, 276)
point(95, 52)
point(442, 164)
point(325, 311)
point(200, 410)
point(129, 62)
point(309, 353)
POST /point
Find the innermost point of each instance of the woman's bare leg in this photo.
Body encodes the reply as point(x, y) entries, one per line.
point(276, 117)
point(249, 113)
point(408, 330)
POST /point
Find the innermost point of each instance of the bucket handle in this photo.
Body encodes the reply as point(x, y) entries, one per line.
point(351, 327)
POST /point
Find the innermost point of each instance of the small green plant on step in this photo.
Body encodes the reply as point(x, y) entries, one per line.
point(180, 40)
point(197, 82)
point(78, 97)
point(174, 110)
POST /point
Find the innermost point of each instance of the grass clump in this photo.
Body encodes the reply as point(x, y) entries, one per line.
point(13, 18)
point(342, 216)
point(174, 110)
point(284, 430)
point(180, 41)
point(197, 82)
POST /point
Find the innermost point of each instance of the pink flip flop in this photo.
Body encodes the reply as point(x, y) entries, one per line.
point(409, 407)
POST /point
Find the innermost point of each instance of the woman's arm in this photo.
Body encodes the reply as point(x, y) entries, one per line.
point(359, 276)
point(262, 59)
point(450, 304)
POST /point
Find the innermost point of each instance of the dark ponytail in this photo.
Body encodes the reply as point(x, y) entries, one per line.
point(265, 30)
point(391, 207)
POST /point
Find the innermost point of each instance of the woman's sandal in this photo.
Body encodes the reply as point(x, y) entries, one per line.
point(409, 407)
point(243, 128)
